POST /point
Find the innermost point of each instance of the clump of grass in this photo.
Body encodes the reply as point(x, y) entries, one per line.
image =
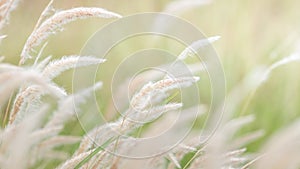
point(32, 132)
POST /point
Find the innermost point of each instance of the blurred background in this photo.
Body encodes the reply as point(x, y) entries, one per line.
point(253, 33)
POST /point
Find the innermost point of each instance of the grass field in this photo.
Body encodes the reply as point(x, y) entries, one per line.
point(259, 50)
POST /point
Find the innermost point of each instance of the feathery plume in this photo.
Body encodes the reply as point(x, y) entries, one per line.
point(28, 100)
point(27, 95)
point(192, 49)
point(13, 79)
point(6, 7)
point(58, 20)
point(54, 68)
point(142, 99)
point(16, 144)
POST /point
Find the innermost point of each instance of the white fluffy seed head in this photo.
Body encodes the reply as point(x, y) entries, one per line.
point(192, 49)
point(58, 20)
point(144, 96)
point(6, 7)
point(56, 67)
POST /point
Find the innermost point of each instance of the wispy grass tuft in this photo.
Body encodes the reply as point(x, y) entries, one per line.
point(38, 111)
point(56, 22)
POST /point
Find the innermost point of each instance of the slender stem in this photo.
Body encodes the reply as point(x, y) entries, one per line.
point(43, 15)
point(7, 111)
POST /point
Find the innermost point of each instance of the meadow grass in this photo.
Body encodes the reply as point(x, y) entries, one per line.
point(259, 49)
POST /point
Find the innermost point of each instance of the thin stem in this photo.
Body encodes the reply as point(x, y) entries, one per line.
point(7, 111)
point(43, 15)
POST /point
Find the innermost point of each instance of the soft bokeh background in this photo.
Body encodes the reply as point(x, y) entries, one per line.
point(253, 32)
